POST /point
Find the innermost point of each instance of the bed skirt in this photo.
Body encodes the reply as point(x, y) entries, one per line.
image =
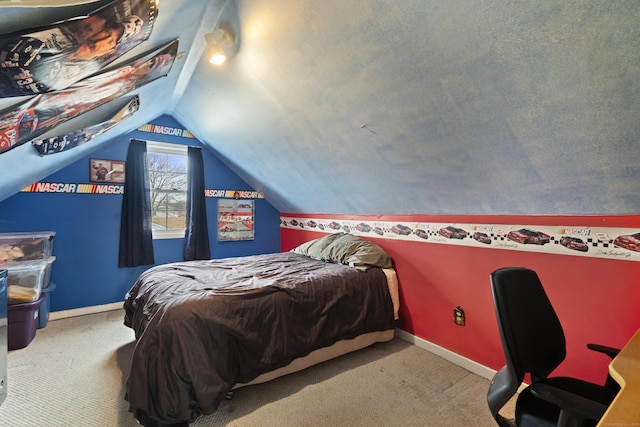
point(323, 354)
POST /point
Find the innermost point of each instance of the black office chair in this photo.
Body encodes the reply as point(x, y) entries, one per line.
point(534, 343)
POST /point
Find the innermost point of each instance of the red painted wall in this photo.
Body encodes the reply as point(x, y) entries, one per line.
point(596, 300)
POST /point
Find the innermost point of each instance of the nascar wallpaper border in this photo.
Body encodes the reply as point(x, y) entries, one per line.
point(118, 189)
point(595, 242)
point(166, 130)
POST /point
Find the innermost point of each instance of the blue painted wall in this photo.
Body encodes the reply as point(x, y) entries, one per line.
point(87, 226)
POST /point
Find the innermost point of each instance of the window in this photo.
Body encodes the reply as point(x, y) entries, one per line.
point(168, 174)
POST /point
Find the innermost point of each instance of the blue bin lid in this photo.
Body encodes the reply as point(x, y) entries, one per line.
point(50, 288)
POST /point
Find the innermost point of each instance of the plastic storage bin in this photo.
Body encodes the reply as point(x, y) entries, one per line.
point(31, 246)
point(22, 323)
point(26, 279)
point(45, 306)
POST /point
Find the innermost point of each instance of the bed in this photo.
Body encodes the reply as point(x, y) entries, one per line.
point(204, 328)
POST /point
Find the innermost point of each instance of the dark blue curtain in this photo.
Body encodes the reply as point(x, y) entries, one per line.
point(196, 236)
point(136, 240)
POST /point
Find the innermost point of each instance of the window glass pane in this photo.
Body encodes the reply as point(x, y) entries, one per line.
point(168, 220)
point(168, 174)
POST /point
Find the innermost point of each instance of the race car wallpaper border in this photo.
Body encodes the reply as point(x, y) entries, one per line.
point(595, 242)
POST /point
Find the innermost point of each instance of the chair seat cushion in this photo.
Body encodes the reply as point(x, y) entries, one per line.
point(546, 414)
point(534, 412)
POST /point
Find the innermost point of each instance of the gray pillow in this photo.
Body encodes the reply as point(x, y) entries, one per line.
point(313, 248)
point(345, 248)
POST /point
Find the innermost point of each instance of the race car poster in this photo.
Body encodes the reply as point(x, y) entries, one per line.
point(54, 57)
point(235, 220)
point(45, 111)
point(40, 3)
point(58, 143)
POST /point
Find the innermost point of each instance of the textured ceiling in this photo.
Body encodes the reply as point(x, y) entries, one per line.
point(400, 107)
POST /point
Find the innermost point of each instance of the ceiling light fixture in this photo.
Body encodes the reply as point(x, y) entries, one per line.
point(217, 44)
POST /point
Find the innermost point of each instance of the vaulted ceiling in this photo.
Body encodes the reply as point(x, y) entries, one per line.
point(398, 106)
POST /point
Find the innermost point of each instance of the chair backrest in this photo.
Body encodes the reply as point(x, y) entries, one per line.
point(531, 333)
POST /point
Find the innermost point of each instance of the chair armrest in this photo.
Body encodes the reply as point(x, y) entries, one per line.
point(609, 351)
point(572, 404)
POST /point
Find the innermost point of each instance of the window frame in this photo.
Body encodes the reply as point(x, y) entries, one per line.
point(156, 147)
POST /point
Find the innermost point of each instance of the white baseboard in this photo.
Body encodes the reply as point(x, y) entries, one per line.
point(55, 315)
point(448, 355)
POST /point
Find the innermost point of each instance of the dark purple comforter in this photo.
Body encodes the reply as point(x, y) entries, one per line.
point(203, 326)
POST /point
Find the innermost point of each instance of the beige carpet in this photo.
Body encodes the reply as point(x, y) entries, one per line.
point(73, 372)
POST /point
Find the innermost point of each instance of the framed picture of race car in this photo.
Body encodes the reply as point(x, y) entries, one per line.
point(106, 171)
point(235, 219)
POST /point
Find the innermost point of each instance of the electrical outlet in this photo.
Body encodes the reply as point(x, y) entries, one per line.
point(458, 316)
